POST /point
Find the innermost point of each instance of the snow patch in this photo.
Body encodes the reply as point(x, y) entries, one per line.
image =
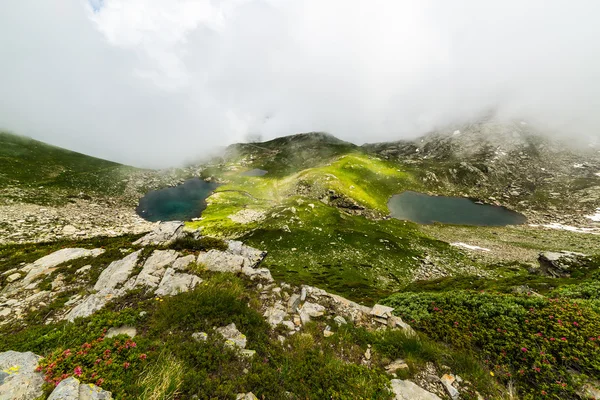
point(597, 174)
point(595, 217)
point(577, 165)
point(456, 132)
point(468, 246)
point(555, 225)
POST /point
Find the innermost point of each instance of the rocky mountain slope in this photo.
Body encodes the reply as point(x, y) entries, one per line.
point(298, 284)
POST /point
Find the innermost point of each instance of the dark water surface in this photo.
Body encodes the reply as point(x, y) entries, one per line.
point(424, 209)
point(255, 172)
point(178, 203)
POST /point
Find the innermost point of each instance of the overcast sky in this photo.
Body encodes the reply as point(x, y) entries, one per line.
point(156, 82)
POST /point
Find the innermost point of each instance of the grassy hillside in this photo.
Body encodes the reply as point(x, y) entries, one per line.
point(40, 171)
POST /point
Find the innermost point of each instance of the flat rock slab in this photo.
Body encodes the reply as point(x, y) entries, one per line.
point(18, 379)
point(173, 283)
point(46, 263)
point(407, 390)
point(117, 272)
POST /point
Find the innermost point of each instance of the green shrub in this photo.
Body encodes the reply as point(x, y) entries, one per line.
point(112, 364)
point(545, 345)
point(204, 243)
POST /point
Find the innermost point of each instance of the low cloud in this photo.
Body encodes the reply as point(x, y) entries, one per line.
point(155, 83)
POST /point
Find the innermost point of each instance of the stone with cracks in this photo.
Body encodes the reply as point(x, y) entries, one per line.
point(173, 283)
point(18, 379)
point(106, 286)
point(154, 268)
point(407, 390)
point(182, 263)
point(117, 272)
point(164, 234)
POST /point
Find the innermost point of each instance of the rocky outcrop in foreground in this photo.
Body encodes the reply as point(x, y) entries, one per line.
point(19, 380)
point(165, 273)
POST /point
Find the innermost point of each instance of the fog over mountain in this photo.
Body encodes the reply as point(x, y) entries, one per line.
point(155, 83)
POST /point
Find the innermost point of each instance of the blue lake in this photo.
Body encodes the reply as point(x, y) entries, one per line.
point(178, 203)
point(425, 209)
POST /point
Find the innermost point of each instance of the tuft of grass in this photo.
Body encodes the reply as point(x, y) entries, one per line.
point(162, 380)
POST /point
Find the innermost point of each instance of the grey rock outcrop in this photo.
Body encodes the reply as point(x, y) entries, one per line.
point(559, 265)
point(107, 286)
point(238, 258)
point(182, 263)
point(407, 390)
point(45, 264)
point(173, 283)
point(72, 389)
point(18, 379)
point(117, 272)
point(154, 268)
point(164, 234)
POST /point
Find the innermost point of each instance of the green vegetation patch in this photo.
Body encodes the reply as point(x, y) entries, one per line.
point(547, 346)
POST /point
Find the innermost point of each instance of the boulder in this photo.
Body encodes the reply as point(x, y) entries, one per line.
point(309, 310)
point(18, 378)
point(163, 234)
point(407, 390)
point(67, 389)
point(233, 337)
point(275, 315)
point(200, 336)
point(447, 380)
point(252, 255)
point(122, 330)
point(396, 365)
point(237, 258)
point(173, 283)
point(559, 265)
point(72, 389)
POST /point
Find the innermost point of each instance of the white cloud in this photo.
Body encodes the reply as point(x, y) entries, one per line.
point(152, 82)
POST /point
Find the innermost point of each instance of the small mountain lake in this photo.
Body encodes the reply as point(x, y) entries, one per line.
point(255, 172)
point(178, 203)
point(425, 209)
